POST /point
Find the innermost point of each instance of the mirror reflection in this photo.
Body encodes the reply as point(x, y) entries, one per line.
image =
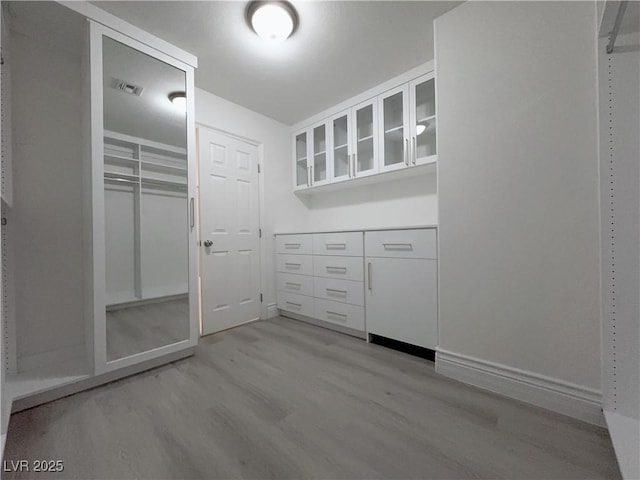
point(146, 204)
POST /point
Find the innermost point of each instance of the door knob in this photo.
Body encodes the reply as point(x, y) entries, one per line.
point(208, 243)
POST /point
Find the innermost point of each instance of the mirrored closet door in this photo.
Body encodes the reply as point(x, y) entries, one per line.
point(143, 273)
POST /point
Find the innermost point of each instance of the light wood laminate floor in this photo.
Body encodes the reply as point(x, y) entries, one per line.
point(140, 328)
point(282, 399)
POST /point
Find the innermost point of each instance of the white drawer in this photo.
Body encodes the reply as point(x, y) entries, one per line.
point(300, 264)
point(343, 314)
point(346, 291)
point(420, 243)
point(296, 244)
point(293, 283)
point(292, 302)
point(347, 244)
point(345, 268)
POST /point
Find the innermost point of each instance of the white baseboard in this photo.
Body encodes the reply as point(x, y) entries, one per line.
point(52, 357)
point(272, 310)
point(625, 436)
point(557, 395)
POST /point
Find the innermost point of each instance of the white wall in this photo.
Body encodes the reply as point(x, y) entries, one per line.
point(518, 189)
point(283, 211)
point(407, 202)
point(47, 229)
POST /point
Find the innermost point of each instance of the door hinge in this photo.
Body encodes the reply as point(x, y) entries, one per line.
point(260, 298)
point(258, 168)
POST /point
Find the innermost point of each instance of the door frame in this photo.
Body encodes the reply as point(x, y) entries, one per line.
point(261, 248)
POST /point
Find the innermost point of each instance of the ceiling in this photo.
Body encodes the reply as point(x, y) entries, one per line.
point(339, 50)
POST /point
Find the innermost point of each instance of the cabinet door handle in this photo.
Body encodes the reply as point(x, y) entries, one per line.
point(295, 265)
point(294, 285)
point(192, 212)
point(397, 246)
point(406, 152)
point(341, 292)
point(335, 246)
point(292, 246)
point(340, 269)
point(415, 151)
point(354, 165)
point(341, 316)
point(299, 305)
point(349, 165)
point(311, 174)
point(370, 277)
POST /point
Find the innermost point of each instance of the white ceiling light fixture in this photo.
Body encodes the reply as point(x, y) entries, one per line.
point(272, 20)
point(179, 100)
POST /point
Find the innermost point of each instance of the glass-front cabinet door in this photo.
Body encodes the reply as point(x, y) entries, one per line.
point(365, 146)
point(423, 120)
point(341, 147)
point(143, 196)
point(394, 135)
point(301, 154)
point(320, 161)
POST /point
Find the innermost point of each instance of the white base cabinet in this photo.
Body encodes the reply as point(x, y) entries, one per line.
point(401, 293)
point(381, 282)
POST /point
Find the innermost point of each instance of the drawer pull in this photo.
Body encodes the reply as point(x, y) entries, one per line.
point(341, 316)
point(299, 305)
point(292, 246)
point(340, 292)
point(369, 276)
point(294, 285)
point(336, 246)
point(292, 265)
point(398, 246)
point(338, 269)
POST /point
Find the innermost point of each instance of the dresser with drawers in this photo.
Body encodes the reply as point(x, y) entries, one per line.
point(379, 282)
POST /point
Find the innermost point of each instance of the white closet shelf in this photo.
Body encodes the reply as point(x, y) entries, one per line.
point(120, 177)
point(320, 153)
point(394, 129)
point(161, 165)
point(46, 378)
point(364, 139)
point(344, 145)
point(427, 119)
point(116, 158)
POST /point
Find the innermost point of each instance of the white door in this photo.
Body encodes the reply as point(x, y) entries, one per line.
point(229, 231)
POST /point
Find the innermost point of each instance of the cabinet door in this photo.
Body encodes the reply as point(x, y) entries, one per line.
point(401, 300)
point(319, 164)
point(301, 154)
point(365, 144)
point(341, 145)
point(422, 98)
point(394, 129)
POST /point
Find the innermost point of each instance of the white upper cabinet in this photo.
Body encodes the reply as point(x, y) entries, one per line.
point(422, 126)
point(342, 147)
point(365, 128)
point(320, 164)
point(395, 128)
point(301, 148)
point(394, 137)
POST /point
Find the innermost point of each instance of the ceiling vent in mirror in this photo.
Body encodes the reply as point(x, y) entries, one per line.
point(127, 87)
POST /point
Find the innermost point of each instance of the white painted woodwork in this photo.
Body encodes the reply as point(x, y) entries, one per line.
point(343, 314)
point(229, 217)
point(366, 157)
point(294, 244)
point(344, 268)
point(418, 243)
point(293, 283)
point(393, 134)
point(341, 244)
point(345, 291)
point(341, 135)
point(422, 111)
point(401, 299)
point(321, 158)
point(300, 264)
point(295, 303)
